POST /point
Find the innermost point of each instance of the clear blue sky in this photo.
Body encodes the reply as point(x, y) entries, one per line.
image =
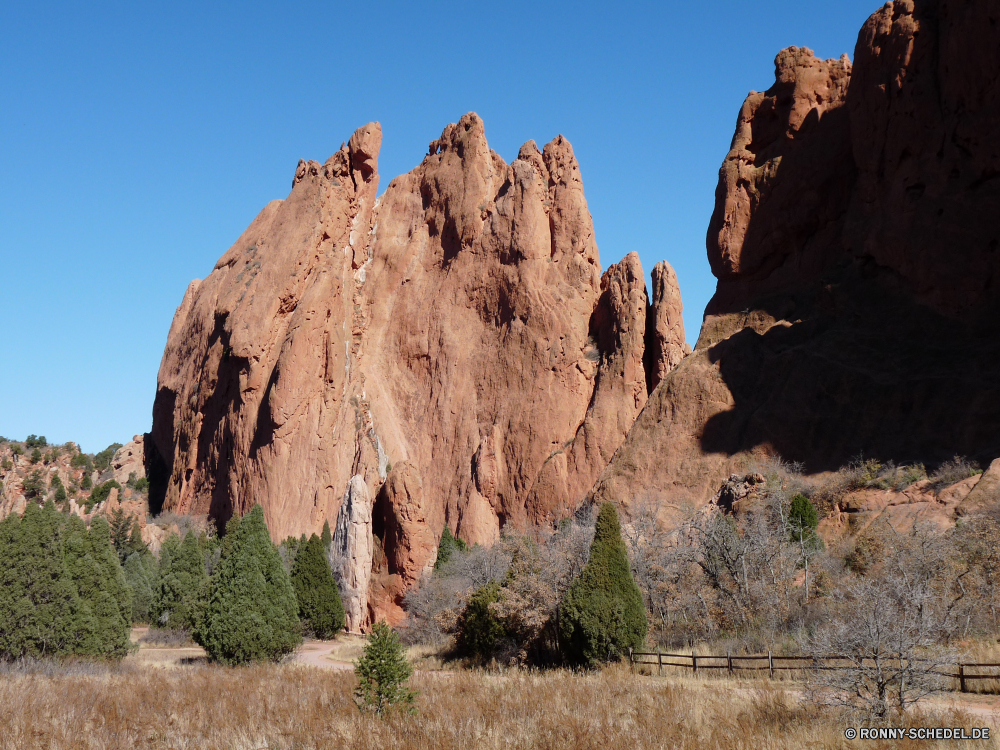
point(137, 140)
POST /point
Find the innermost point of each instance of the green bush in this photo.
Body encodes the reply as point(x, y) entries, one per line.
point(479, 629)
point(102, 460)
point(7, 464)
point(36, 441)
point(252, 614)
point(448, 545)
point(382, 672)
point(320, 607)
point(86, 483)
point(17, 450)
point(602, 614)
point(36, 456)
point(101, 493)
point(139, 484)
point(82, 461)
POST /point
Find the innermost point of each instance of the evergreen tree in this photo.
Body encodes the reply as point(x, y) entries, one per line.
point(382, 672)
point(141, 578)
point(105, 619)
point(135, 543)
point(320, 607)
point(803, 520)
point(447, 546)
point(252, 614)
point(121, 528)
point(479, 629)
point(37, 602)
point(602, 613)
point(327, 538)
point(182, 590)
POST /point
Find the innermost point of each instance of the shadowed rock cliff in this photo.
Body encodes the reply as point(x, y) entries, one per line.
point(855, 241)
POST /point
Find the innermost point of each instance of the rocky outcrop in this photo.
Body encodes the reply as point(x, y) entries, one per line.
point(856, 250)
point(451, 345)
point(665, 342)
point(129, 461)
point(352, 550)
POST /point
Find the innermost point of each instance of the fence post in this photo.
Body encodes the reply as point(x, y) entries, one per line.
point(961, 677)
point(770, 664)
point(659, 661)
point(729, 662)
point(694, 663)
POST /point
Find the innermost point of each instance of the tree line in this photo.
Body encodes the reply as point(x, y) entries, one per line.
point(66, 590)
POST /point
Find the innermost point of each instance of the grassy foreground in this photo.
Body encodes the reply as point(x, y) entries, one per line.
point(282, 706)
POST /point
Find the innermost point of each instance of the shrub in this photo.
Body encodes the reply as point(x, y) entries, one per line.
point(101, 493)
point(102, 460)
point(60, 496)
point(320, 607)
point(82, 461)
point(86, 482)
point(479, 629)
point(17, 450)
point(603, 613)
point(36, 441)
point(953, 471)
point(7, 464)
point(252, 614)
point(448, 545)
point(36, 456)
point(382, 672)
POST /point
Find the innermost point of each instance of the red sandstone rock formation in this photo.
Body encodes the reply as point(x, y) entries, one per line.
point(450, 347)
point(855, 242)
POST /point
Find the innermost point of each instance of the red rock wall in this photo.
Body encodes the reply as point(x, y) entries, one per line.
point(452, 343)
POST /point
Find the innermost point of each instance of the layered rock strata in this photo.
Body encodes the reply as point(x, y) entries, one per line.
point(451, 346)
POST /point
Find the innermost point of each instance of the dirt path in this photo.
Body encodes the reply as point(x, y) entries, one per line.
point(320, 654)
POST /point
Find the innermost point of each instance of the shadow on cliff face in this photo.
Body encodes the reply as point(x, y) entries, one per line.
point(863, 370)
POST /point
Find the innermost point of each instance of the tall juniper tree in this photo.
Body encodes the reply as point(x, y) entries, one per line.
point(252, 614)
point(320, 607)
point(183, 586)
point(602, 614)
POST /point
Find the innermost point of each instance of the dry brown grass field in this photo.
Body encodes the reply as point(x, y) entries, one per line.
point(195, 705)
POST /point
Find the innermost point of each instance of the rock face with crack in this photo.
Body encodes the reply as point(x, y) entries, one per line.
point(855, 243)
point(452, 347)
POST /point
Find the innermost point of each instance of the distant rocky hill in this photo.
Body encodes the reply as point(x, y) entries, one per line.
point(85, 484)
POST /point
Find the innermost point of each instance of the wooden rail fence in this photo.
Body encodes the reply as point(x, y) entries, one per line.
point(772, 664)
